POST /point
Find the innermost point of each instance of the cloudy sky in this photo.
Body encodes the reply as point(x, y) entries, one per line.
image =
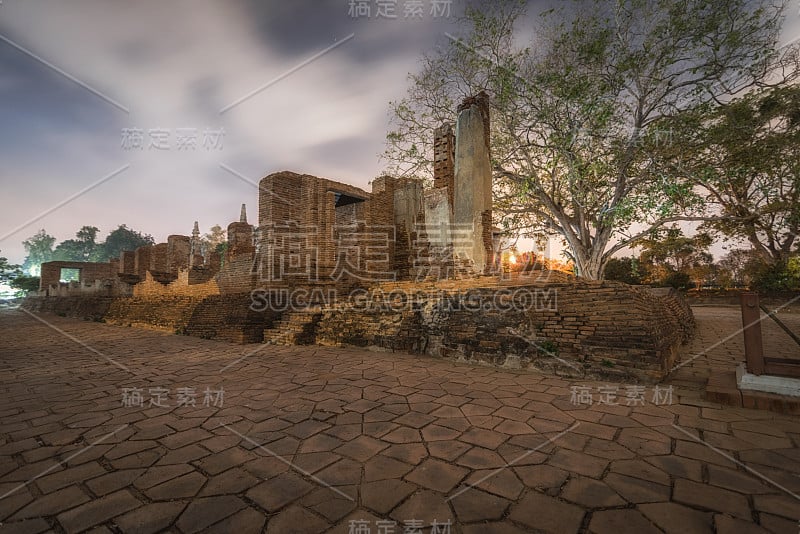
point(171, 67)
point(260, 86)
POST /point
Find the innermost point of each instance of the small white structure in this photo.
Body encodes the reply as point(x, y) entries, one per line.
point(780, 385)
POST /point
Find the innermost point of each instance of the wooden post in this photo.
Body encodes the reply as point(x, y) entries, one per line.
point(751, 323)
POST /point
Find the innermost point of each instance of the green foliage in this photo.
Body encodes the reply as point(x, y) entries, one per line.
point(670, 247)
point(39, 249)
point(8, 271)
point(547, 347)
point(624, 270)
point(745, 158)
point(671, 258)
point(737, 268)
point(678, 280)
point(579, 114)
point(221, 249)
point(25, 283)
point(123, 238)
point(82, 248)
point(215, 238)
point(780, 276)
point(70, 275)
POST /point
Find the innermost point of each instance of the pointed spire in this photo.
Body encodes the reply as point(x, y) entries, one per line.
point(243, 214)
point(194, 243)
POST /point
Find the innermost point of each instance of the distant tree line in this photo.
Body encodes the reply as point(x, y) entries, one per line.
point(85, 246)
point(41, 247)
point(670, 258)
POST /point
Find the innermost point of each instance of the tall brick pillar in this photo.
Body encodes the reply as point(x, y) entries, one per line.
point(472, 206)
point(444, 152)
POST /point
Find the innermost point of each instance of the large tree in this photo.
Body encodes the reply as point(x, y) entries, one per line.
point(668, 251)
point(39, 249)
point(738, 266)
point(578, 109)
point(744, 159)
point(83, 248)
point(123, 238)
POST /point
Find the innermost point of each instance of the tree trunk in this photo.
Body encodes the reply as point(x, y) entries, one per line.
point(588, 261)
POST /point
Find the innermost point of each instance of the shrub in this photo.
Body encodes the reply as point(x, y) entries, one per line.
point(678, 280)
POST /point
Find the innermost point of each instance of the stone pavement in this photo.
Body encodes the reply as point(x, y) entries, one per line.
point(718, 344)
point(306, 439)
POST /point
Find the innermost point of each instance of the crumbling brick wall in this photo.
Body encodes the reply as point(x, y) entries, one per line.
point(179, 248)
point(127, 262)
point(326, 226)
point(444, 152)
point(169, 313)
point(141, 263)
point(601, 329)
point(150, 287)
point(230, 318)
point(92, 308)
point(89, 271)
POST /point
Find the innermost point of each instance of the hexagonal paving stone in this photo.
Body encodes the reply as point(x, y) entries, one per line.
point(383, 495)
point(277, 492)
point(424, 506)
point(616, 521)
point(590, 493)
point(475, 505)
point(362, 448)
point(547, 514)
point(437, 475)
point(296, 519)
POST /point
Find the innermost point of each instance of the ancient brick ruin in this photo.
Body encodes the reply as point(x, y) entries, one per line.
point(331, 263)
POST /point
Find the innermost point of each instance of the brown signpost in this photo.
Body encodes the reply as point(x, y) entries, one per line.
point(751, 323)
point(756, 363)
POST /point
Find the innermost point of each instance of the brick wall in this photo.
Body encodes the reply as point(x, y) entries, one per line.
point(179, 248)
point(238, 275)
point(601, 329)
point(167, 313)
point(444, 149)
point(84, 307)
point(141, 263)
point(89, 272)
point(225, 317)
point(127, 262)
point(571, 326)
point(150, 287)
point(159, 258)
point(229, 318)
point(107, 287)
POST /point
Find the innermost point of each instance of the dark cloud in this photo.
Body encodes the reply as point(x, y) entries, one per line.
point(302, 28)
point(42, 109)
point(299, 27)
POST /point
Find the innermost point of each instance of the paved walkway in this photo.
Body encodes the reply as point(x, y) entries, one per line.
point(308, 439)
point(718, 344)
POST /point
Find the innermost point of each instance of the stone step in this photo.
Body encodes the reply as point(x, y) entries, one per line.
point(293, 324)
